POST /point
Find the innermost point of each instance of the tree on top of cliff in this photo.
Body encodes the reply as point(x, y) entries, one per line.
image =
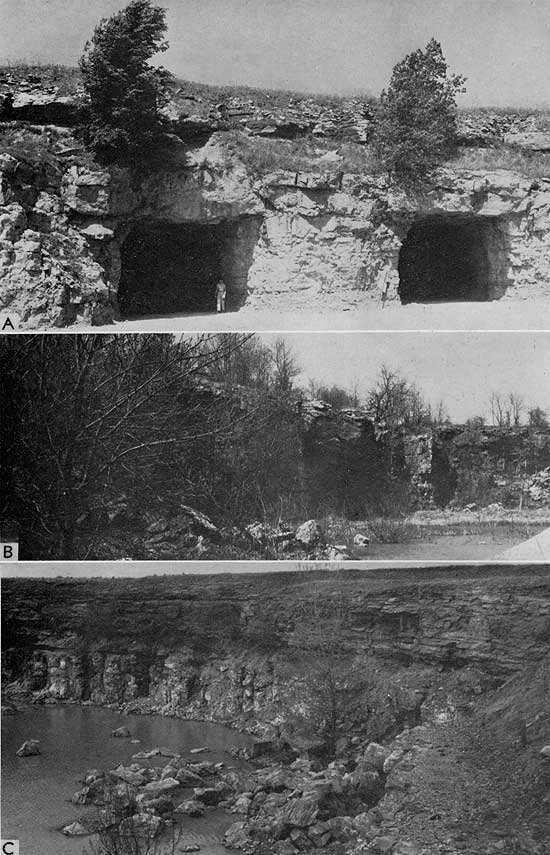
point(124, 122)
point(416, 121)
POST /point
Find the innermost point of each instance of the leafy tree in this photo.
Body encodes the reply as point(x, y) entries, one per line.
point(124, 121)
point(538, 419)
point(416, 122)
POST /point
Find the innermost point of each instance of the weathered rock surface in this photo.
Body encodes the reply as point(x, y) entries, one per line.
point(485, 624)
point(291, 237)
point(30, 748)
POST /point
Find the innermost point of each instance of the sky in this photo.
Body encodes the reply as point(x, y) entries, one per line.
point(341, 46)
point(136, 569)
point(139, 569)
point(462, 369)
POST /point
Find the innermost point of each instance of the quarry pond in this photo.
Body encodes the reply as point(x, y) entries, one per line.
point(37, 790)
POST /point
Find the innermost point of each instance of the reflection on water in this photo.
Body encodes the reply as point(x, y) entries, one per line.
point(36, 791)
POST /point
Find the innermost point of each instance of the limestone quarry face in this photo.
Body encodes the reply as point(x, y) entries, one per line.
point(68, 237)
point(224, 677)
point(447, 466)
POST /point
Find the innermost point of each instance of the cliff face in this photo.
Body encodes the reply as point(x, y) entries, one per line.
point(242, 649)
point(286, 239)
point(347, 454)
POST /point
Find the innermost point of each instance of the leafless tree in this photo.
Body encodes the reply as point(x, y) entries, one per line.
point(500, 413)
point(284, 365)
point(98, 410)
point(517, 406)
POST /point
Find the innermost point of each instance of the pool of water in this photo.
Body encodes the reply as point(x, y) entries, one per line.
point(36, 791)
point(442, 547)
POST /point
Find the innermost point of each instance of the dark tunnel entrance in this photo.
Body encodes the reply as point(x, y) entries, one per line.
point(168, 268)
point(451, 258)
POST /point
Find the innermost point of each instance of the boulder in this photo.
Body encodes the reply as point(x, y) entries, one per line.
point(163, 806)
point(309, 534)
point(320, 834)
point(168, 772)
point(205, 767)
point(191, 807)
point(187, 778)
point(375, 756)
point(211, 795)
point(545, 752)
point(198, 523)
point(300, 839)
point(405, 847)
point(92, 776)
point(284, 847)
point(121, 732)
point(261, 532)
point(337, 553)
point(361, 540)
point(146, 755)
point(301, 812)
point(236, 836)
point(83, 796)
point(128, 776)
point(29, 748)
point(204, 750)
point(75, 829)
point(157, 788)
point(145, 823)
point(383, 843)
point(242, 804)
point(97, 231)
point(275, 779)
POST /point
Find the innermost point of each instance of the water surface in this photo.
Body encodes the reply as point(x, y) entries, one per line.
point(36, 791)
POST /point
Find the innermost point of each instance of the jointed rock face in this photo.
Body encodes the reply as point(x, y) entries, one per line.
point(281, 241)
point(437, 673)
point(205, 659)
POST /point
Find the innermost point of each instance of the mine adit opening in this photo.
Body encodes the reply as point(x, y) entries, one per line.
point(452, 257)
point(168, 268)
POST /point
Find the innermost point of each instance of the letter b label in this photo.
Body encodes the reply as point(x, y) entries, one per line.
point(9, 552)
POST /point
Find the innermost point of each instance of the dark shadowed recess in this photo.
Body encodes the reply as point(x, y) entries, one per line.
point(170, 267)
point(452, 257)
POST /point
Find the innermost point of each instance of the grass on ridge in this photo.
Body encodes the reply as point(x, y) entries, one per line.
point(534, 164)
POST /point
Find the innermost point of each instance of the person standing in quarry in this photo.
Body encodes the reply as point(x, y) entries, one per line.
point(221, 292)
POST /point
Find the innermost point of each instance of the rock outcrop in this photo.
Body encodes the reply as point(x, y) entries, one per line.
point(218, 648)
point(282, 240)
point(447, 466)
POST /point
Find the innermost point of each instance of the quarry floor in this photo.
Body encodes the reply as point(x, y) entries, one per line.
point(532, 314)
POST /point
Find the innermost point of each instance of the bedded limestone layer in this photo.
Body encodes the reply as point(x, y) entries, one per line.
point(191, 645)
point(292, 238)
